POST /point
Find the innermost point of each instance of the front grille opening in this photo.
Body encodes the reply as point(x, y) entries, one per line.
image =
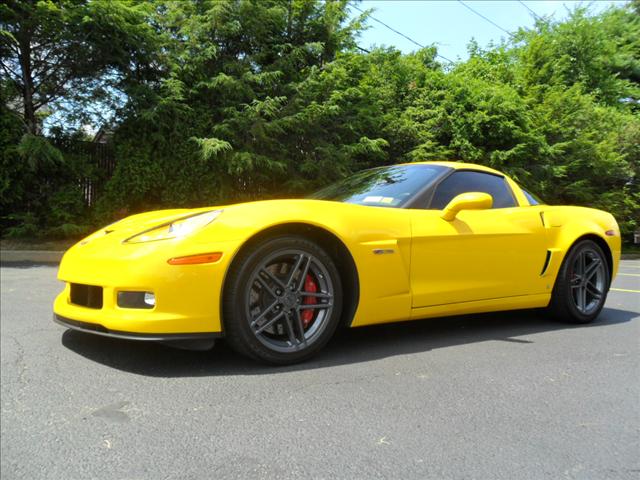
point(86, 295)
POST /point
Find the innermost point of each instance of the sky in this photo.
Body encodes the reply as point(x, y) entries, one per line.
point(450, 25)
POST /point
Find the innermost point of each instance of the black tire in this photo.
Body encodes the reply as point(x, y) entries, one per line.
point(567, 303)
point(272, 319)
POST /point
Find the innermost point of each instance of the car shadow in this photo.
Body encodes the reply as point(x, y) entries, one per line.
point(347, 347)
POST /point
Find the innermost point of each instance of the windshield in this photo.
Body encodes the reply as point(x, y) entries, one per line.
point(391, 186)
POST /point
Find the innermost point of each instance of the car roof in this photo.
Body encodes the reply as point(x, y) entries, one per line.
point(460, 166)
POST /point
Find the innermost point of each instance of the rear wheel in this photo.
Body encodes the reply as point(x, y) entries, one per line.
point(582, 284)
point(282, 301)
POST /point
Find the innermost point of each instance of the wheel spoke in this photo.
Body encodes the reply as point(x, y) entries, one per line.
point(290, 332)
point(266, 286)
point(327, 296)
point(300, 326)
point(303, 277)
point(295, 268)
point(256, 320)
point(594, 267)
point(315, 306)
point(593, 290)
point(269, 323)
point(578, 267)
point(578, 270)
point(296, 341)
point(271, 277)
point(582, 298)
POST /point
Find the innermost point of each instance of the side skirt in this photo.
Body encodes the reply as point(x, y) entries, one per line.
point(482, 306)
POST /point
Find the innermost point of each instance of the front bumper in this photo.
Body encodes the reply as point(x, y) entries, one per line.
point(187, 296)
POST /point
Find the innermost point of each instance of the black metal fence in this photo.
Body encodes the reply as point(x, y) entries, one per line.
point(101, 163)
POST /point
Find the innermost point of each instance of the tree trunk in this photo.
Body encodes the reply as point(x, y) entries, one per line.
point(30, 120)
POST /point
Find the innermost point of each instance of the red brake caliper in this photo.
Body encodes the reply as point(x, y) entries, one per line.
point(310, 286)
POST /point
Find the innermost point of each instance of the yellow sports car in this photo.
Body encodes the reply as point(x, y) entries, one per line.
point(277, 277)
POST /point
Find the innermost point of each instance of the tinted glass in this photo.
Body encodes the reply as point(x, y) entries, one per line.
point(533, 199)
point(390, 186)
point(467, 181)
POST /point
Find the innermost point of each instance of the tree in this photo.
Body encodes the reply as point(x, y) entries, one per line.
point(231, 69)
point(71, 53)
point(599, 52)
point(228, 100)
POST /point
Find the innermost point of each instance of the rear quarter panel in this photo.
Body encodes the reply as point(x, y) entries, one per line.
point(566, 225)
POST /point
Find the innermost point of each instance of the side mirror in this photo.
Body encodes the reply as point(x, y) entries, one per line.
point(467, 201)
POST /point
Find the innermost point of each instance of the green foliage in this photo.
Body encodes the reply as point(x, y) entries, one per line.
point(73, 54)
point(35, 150)
point(38, 185)
point(229, 100)
point(212, 147)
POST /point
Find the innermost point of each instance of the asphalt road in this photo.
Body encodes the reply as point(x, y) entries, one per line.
point(499, 396)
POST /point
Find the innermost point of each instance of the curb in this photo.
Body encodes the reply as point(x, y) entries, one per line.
point(30, 256)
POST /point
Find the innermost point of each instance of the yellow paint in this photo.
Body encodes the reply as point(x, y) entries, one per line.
point(482, 254)
point(629, 274)
point(481, 261)
point(467, 201)
point(625, 290)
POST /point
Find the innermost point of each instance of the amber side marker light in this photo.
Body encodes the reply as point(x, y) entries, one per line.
point(610, 233)
point(196, 259)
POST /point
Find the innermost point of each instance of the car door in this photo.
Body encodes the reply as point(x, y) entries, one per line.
point(481, 254)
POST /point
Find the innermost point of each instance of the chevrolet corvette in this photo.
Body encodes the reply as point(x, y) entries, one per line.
point(276, 278)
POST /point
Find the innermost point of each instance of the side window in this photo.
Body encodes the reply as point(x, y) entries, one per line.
point(533, 199)
point(467, 181)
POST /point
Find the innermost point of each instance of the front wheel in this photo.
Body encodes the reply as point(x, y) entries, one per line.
point(282, 301)
point(582, 284)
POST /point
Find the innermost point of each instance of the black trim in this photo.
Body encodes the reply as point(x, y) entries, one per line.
point(546, 263)
point(423, 196)
point(89, 296)
point(98, 329)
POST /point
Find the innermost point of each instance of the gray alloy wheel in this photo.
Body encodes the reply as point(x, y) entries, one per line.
point(581, 287)
point(282, 314)
point(282, 300)
point(587, 280)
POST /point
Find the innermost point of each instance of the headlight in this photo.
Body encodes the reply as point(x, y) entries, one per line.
point(178, 228)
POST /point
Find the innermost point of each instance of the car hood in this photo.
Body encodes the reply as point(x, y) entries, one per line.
point(135, 224)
